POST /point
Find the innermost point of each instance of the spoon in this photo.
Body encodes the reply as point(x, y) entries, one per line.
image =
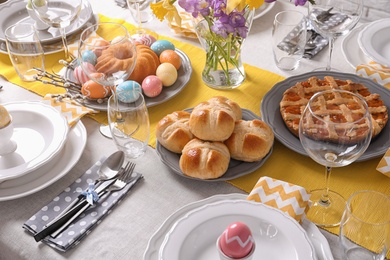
point(107, 171)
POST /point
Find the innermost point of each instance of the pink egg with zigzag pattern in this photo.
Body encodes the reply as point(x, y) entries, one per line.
point(80, 75)
point(236, 241)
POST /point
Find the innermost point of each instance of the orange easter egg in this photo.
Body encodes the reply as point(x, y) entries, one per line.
point(100, 46)
point(172, 57)
point(94, 90)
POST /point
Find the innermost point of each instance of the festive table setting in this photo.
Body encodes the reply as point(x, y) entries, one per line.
point(160, 212)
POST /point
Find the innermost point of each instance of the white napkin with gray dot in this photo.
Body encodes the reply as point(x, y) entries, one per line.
point(83, 225)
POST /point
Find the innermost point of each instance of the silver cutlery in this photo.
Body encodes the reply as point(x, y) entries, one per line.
point(109, 169)
point(64, 221)
point(325, 15)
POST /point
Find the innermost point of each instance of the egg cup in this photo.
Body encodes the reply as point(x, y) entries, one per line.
point(7, 145)
point(222, 256)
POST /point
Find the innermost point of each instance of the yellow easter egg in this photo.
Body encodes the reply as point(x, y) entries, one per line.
point(167, 73)
point(5, 118)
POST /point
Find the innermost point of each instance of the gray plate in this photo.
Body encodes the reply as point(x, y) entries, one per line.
point(271, 113)
point(13, 12)
point(183, 76)
point(236, 168)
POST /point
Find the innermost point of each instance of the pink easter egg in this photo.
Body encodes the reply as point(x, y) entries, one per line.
point(152, 86)
point(236, 241)
point(80, 75)
point(145, 39)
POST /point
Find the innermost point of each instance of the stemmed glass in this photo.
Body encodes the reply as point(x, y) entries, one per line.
point(58, 14)
point(129, 123)
point(141, 16)
point(107, 54)
point(334, 18)
point(335, 129)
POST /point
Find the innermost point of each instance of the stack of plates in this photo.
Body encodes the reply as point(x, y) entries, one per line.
point(374, 44)
point(46, 149)
point(192, 231)
point(12, 12)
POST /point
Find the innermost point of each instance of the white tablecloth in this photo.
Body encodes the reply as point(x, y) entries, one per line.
point(125, 233)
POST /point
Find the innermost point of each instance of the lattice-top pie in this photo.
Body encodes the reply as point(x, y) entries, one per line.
point(296, 98)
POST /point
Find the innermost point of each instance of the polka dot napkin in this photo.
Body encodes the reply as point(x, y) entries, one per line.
point(83, 225)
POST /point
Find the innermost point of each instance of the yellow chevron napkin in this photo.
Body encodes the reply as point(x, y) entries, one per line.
point(375, 71)
point(384, 164)
point(69, 109)
point(289, 198)
point(186, 27)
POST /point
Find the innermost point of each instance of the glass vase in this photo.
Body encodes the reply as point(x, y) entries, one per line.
point(223, 67)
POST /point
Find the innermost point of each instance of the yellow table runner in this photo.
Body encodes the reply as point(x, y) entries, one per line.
point(284, 164)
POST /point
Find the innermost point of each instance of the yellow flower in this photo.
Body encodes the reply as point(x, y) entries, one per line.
point(159, 10)
point(241, 4)
point(166, 9)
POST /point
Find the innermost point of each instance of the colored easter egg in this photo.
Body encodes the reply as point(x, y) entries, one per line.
point(161, 45)
point(236, 241)
point(152, 86)
point(128, 91)
point(94, 90)
point(145, 39)
point(89, 56)
point(167, 73)
point(172, 57)
point(80, 75)
point(100, 46)
point(5, 118)
point(117, 39)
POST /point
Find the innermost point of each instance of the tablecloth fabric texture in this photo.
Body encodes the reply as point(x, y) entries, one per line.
point(284, 164)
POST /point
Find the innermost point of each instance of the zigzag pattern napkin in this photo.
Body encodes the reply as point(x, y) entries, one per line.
point(376, 72)
point(71, 111)
point(384, 164)
point(289, 198)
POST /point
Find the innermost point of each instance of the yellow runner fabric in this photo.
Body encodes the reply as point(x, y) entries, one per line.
point(283, 164)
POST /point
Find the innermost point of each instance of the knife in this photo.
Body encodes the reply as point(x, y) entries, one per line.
point(79, 208)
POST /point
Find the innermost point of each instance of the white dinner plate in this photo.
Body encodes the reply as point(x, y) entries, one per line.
point(194, 235)
point(374, 40)
point(351, 51)
point(263, 9)
point(51, 172)
point(183, 76)
point(40, 133)
point(320, 243)
point(15, 11)
point(54, 47)
point(236, 168)
point(270, 111)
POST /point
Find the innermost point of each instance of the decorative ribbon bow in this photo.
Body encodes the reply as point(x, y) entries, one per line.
point(90, 194)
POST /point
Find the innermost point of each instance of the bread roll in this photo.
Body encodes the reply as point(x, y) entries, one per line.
point(204, 160)
point(250, 141)
point(214, 119)
point(173, 131)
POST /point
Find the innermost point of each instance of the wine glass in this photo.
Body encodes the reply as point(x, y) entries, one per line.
point(58, 14)
point(333, 18)
point(139, 10)
point(107, 54)
point(364, 235)
point(335, 129)
point(129, 122)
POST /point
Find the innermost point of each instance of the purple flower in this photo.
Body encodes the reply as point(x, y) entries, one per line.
point(300, 2)
point(195, 7)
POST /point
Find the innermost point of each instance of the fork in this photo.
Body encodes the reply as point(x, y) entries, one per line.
point(55, 228)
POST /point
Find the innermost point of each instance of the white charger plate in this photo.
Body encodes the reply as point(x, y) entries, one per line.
point(374, 40)
point(12, 12)
point(40, 133)
point(194, 235)
point(320, 243)
point(263, 9)
point(352, 52)
point(51, 172)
